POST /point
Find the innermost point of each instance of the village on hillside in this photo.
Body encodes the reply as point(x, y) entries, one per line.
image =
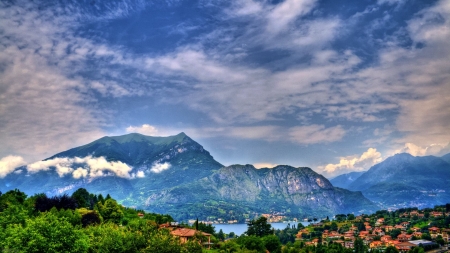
point(403, 229)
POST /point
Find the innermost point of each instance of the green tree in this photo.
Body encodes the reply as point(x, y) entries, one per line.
point(359, 246)
point(221, 235)
point(82, 198)
point(272, 243)
point(12, 198)
point(252, 242)
point(229, 247)
point(163, 242)
point(334, 226)
point(110, 211)
point(45, 233)
point(391, 249)
point(259, 227)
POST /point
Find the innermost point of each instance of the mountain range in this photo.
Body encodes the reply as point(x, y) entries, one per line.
point(176, 175)
point(405, 180)
point(346, 179)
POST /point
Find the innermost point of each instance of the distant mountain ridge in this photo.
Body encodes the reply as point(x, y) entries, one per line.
point(346, 179)
point(406, 180)
point(176, 175)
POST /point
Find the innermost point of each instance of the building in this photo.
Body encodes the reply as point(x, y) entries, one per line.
point(186, 234)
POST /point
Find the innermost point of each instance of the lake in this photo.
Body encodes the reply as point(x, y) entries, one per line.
point(239, 229)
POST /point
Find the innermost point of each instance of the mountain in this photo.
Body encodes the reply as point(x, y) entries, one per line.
point(345, 180)
point(162, 161)
point(406, 180)
point(176, 175)
point(446, 157)
point(293, 191)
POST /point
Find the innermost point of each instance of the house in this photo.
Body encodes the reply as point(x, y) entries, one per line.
point(376, 244)
point(404, 246)
point(140, 215)
point(433, 230)
point(388, 228)
point(417, 234)
point(399, 227)
point(349, 235)
point(378, 231)
point(386, 238)
point(405, 224)
point(380, 221)
point(404, 237)
point(436, 214)
point(349, 244)
point(363, 234)
point(186, 234)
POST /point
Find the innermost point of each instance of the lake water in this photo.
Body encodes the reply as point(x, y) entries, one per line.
point(239, 229)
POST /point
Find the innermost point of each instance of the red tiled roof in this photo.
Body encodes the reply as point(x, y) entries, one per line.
point(186, 232)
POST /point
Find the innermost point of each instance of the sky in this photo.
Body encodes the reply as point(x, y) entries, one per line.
point(334, 85)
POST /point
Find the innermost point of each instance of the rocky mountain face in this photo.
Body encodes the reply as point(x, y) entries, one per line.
point(293, 191)
point(176, 175)
point(345, 180)
point(406, 180)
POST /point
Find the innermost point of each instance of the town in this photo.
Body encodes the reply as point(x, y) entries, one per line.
point(403, 229)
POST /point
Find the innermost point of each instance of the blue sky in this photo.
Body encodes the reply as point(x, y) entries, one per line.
point(333, 85)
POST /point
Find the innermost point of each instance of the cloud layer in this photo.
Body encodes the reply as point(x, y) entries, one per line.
point(297, 71)
point(352, 163)
point(89, 167)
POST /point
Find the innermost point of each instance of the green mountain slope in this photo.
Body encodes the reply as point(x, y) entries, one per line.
point(291, 191)
point(176, 175)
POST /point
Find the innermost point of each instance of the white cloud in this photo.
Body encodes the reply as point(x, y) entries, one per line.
point(145, 129)
point(264, 165)
point(352, 163)
point(9, 163)
point(159, 167)
point(80, 172)
point(283, 14)
point(433, 149)
point(96, 166)
point(316, 134)
point(140, 174)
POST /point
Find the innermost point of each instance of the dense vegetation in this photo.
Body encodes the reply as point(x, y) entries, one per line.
point(85, 222)
point(82, 222)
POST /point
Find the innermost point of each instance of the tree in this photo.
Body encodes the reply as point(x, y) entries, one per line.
point(45, 233)
point(334, 226)
point(272, 243)
point(10, 198)
point(221, 235)
point(359, 246)
point(259, 227)
point(350, 216)
point(110, 211)
point(252, 242)
point(82, 197)
point(391, 249)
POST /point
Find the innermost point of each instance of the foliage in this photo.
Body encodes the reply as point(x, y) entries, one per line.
point(45, 233)
point(252, 242)
point(110, 210)
point(272, 243)
point(44, 203)
point(259, 227)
